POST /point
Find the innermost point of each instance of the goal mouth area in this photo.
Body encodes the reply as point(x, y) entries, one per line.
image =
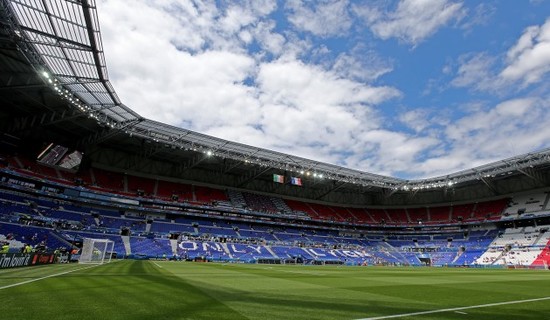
point(96, 251)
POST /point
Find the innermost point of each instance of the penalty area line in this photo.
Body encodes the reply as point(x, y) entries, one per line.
point(42, 278)
point(456, 309)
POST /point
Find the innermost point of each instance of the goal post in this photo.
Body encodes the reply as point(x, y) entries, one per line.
point(97, 251)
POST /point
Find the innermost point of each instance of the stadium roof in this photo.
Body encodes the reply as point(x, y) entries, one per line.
point(62, 42)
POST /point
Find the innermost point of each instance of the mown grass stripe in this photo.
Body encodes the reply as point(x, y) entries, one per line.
point(455, 309)
point(181, 290)
point(45, 277)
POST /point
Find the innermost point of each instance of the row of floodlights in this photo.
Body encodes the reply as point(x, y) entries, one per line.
point(309, 173)
point(74, 101)
point(433, 185)
point(210, 153)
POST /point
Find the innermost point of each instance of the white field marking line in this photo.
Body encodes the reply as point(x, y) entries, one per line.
point(456, 309)
point(156, 264)
point(42, 278)
point(460, 312)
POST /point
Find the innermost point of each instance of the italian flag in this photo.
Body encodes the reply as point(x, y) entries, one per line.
point(278, 178)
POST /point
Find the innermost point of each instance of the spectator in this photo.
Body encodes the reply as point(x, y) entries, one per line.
point(5, 248)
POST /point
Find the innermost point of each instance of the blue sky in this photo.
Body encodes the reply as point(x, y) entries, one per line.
point(404, 88)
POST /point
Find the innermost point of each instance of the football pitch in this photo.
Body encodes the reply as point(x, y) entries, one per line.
point(183, 290)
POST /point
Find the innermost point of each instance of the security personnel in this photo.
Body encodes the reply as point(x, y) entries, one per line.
point(56, 254)
point(28, 248)
point(5, 248)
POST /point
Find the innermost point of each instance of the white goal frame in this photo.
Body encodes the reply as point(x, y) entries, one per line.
point(98, 251)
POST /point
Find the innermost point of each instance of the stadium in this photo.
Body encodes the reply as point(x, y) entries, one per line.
point(168, 222)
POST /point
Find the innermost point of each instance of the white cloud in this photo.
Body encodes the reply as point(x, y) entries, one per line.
point(481, 16)
point(239, 15)
point(217, 87)
point(189, 64)
point(529, 59)
point(505, 115)
point(510, 128)
point(412, 21)
point(321, 18)
point(525, 63)
point(362, 65)
point(193, 26)
point(306, 105)
point(392, 151)
point(155, 77)
point(416, 119)
point(475, 71)
point(269, 41)
point(483, 135)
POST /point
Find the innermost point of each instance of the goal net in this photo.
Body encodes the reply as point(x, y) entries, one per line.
point(96, 251)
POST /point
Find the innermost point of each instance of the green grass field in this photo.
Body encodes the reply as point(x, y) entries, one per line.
point(183, 290)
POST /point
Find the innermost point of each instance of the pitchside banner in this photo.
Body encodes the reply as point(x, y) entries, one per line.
point(13, 260)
